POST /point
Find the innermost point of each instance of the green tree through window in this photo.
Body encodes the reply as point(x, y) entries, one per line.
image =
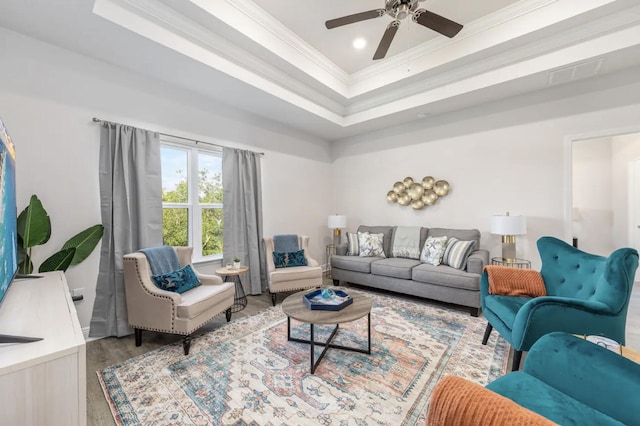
point(185, 220)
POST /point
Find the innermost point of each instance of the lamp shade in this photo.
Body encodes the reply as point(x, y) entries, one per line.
point(337, 221)
point(508, 225)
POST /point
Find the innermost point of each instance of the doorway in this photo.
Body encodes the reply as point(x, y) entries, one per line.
point(603, 208)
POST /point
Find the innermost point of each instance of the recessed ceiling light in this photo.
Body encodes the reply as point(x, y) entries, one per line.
point(359, 43)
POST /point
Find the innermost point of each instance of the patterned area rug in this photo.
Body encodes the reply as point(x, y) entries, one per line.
point(247, 373)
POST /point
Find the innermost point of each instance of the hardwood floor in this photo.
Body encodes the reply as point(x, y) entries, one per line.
point(109, 351)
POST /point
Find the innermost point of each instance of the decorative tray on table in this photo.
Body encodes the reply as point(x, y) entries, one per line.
point(327, 300)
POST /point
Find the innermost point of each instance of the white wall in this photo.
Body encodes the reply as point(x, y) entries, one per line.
point(47, 99)
point(625, 149)
point(511, 158)
point(592, 195)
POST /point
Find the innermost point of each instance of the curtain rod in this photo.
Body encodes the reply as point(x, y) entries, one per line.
point(97, 120)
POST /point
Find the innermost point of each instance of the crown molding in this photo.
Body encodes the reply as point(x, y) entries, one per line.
point(573, 36)
point(471, 29)
point(269, 23)
point(176, 23)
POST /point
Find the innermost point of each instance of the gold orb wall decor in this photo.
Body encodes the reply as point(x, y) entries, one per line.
point(398, 188)
point(418, 193)
point(427, 182)
point(415, 191)
point(404, 199)
point(441, 187)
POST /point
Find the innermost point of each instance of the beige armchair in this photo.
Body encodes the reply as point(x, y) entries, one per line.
point(293, 278)
point(151, 308)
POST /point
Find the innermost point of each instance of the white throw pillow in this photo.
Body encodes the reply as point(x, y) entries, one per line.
point(370, 244)
point(433, 250)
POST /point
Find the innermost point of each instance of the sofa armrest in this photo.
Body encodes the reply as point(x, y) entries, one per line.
point(459, 402)
point(341, 249)
point(593, 375)
point(477, 261)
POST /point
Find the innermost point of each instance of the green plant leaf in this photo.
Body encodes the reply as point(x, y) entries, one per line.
point(59, 261)
point(34, 225)
point(84, 242)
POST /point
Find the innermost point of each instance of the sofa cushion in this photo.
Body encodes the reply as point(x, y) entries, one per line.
point(394, 267)
point(537, 396)
point(461, 234)
point(202, 298)
point(184, 279)
point(353, 263)
point(370, 245)
point(289, 259)
point(353, 247)
point(294, 274)
point(445, 276)
point(385, 230)
point(457, 252)
point(433, 250)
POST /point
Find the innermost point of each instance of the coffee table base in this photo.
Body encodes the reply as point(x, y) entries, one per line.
point(314, 362)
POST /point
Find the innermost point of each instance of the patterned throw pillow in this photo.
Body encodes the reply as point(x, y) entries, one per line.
point(178, 281)
point(353, 248)
point(287, 260)
point(370, 244)
point(457, 252)
point(433, 250)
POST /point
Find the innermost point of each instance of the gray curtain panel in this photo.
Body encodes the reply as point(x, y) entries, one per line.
point(243, 215)
point(131, 205)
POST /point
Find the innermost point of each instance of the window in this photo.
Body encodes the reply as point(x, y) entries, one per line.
point(192, 199)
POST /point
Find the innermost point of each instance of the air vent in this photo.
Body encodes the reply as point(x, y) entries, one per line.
point(575, 72)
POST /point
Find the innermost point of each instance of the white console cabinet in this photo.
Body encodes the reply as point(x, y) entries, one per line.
point(43, 382)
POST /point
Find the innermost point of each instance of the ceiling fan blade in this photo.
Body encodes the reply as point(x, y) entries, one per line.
point(356, 17)
point(387, 38)
point(436, 22)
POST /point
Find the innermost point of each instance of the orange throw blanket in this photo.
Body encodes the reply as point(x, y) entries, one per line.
point(459, 402)
point(507, 281)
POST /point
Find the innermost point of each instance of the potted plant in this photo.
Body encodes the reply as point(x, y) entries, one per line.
point(236, 262)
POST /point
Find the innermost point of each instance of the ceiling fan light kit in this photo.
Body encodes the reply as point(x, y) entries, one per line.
point(399, 10)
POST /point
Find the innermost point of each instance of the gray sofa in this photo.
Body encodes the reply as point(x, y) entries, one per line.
point(409, 276)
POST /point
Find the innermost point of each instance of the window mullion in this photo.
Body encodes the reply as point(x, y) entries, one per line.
point(196, 215)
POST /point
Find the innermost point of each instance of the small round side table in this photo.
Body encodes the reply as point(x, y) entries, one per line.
point(240, 299)
point(514, 263)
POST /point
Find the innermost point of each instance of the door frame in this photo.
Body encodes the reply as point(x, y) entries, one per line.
point(568, 168)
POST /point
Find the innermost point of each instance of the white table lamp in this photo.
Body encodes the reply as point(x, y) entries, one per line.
point(337, 222)
point(508, 226)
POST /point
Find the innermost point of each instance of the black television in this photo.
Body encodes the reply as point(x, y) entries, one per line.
point(8, 224)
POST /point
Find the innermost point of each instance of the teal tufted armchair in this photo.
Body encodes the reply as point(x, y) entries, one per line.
point(586, 294)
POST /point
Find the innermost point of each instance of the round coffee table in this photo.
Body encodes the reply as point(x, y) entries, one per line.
point(294, 307)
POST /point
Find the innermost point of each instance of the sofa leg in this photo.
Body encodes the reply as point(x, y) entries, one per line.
point(227, 313)
point(517, 355)
point(138, 335)
point(336, 282)
point(273, 299)
point(475, 312)
point(186, 344)
point(487, 333)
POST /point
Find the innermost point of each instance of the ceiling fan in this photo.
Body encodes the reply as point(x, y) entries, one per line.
point(398, 10)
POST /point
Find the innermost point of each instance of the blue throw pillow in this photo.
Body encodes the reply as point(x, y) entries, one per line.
point(178, 281)
point(286, 260)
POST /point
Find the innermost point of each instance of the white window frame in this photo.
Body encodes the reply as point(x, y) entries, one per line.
point(193, 206)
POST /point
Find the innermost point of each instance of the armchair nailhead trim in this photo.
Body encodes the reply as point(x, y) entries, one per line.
point(173, 306)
